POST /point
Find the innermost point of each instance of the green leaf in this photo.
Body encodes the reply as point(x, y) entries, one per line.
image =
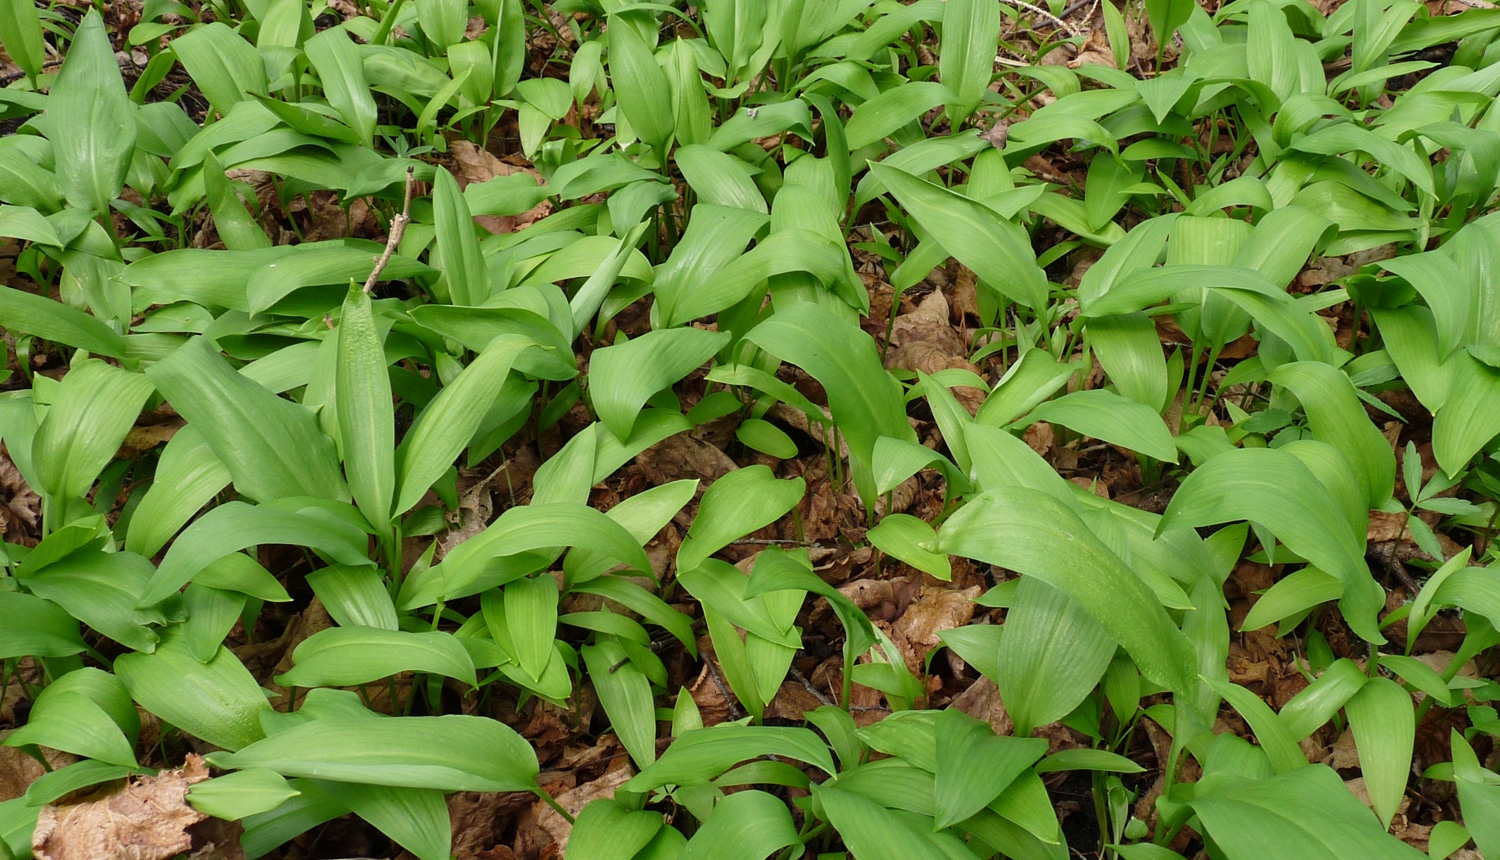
point(1273, 735)
point(1051, 657)
point(642, 88)
point(1279, 491)
point(272, 447)
point(1338, 418)
point(1087, 759)
point(1468, 418)
point(355, 596)
point(36, 627)
point(531, 606)
point(94, 408)
point(1384, 727)
point(236, 795)
point(450, 753)
point(1129, 351)
point(336, 59)
point(1032, 532)
point(885, 114)
point(1294, 593)
point(1304, 813)
point(1113, 418)
point(623, 377)
point(1165, 17)
point(349, 656)
point(966, 61)
point(417, 819)
point(767, 438)
point(100, 589)
point(1310, 709)
point(702, 754)
point(92, 119)
point(865, 400)
point(626, 696)
point(997, 250)
point(234, 223)
point(69, 721)
point(234, 526)
point(59, 323)
point(719, 179)
point(605, 830)
point(735, 505)
point(902, 536)
point(21, 34)
point(1477, 798)
point(224, 66)
point(450, 420)
point(217, 701)
point(464, 269)
point(974, 766)
point(188, 476)
point(746, 825)
point(366, 417)
point(872, 832)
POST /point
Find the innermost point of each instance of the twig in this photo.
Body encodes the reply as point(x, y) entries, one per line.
point(398, 229)
point(1037, 10)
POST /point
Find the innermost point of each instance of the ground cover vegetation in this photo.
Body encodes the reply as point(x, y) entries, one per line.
point(809, 428)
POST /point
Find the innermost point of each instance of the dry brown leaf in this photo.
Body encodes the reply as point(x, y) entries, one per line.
point(935, 610)
point(141, 439)
point(684, 456)
point(924, 340)
point(480, 165)
point(147, 820)
point(575, 799)
point(982, 701)
point(17, 771)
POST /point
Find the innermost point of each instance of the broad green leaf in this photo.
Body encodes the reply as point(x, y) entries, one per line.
point(1468, 419)
point(224, 66)
point(885, 114)
point(1032, 532)
point(1051, 657)
point(336, 59)
point(269, 830)
point(746, 825)
point(348, 656)
point(450, 753)
point(605, 830)
point(1087, 759)
point(69, 721)
point(1303, 813)
point(644, 93)
point(902, 536)
point(719, 179)
point(974, 766)
point(997, 250)
point(21, 34)
point(101, 590)
point(212, 613)
point(320, 263)
point(735, 505)
point(966, 62)
point(476, 328)
point(417, 819)
point(443, 21)
point(873, 832)
point(625, 695)
point(236, 795)
point(1477, 798)
point(1338, 418)
point(1165, 17)
point(767, 438)
point(94, 408)
point(703, 754)
point(1294, 593)
point(92, 119)
point(1130, 352)
point(623, 377)
point(366, 418)
point(188, 476)
point(1384, 727)
point(1113, 418)
point(1032, 379)
point(1310, 709)
point(36, 627)
point(355, 596)
point(721, 587)
point(449, 421)
point(1273, 735)
point(464, 270)
point(1277, 490)
point(217, 701)
point(272, 447)
point(234, 526)
point(59, 323)
point(531, 606)
point(235, 225)
point(865, 400)
point(521, 529)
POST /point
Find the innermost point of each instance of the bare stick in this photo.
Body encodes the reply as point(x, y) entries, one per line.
point(398, 229)
point(1043, 13)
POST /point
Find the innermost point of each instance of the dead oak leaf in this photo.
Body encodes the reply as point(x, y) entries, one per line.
point(147, 820)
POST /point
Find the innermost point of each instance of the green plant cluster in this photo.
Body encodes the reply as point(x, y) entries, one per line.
point(731, 148)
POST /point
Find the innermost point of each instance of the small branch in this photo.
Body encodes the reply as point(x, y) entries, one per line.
point(398, 229)
point(1045, 15)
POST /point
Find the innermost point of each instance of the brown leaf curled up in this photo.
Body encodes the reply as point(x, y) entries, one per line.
point(147, 820)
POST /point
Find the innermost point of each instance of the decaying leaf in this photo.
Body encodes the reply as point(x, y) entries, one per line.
point(147, 820)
